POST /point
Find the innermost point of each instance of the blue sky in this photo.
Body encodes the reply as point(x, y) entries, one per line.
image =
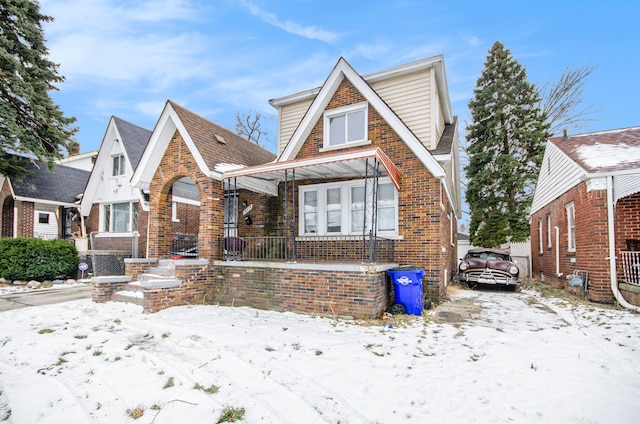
point(218, 58)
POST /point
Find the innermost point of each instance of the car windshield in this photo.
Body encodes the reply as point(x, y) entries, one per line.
point(488, 255)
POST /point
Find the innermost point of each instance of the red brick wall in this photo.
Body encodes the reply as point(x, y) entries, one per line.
point(627, 222)
point(423, 208)
point(26, 218)
point(330, 293)
point(188, 219)
point(176, 163)
point(591, 241)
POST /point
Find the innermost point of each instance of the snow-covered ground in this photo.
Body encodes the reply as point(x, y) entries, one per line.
point(522, 359)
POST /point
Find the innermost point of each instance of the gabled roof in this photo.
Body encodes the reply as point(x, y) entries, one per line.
point(603, 152)
point(61, 187)
point(213, 147)
point(341, 71)
point(570, 160)
point(134, 139)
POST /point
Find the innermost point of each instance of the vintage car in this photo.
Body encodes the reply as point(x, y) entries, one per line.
point(488, 266)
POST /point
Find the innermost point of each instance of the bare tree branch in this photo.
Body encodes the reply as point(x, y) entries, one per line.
point(561, 101)
point(248, 125)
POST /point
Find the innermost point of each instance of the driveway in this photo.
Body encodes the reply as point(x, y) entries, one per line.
point(44, 297)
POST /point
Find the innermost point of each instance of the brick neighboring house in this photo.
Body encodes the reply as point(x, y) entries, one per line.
point(42, 204)
point(585, 214)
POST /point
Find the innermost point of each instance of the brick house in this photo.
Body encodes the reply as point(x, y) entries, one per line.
point(366, 179)
point(585, 214)
point(43, 204)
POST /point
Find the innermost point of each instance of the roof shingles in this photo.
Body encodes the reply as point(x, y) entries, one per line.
point(234, 150)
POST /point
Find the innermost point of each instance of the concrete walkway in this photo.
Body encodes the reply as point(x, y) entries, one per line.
point(44, 297)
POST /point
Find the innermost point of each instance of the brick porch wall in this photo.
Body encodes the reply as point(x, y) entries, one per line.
point(310, 291)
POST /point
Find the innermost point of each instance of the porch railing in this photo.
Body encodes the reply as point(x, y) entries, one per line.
point(312, 249)
point(631, 267)
point(184, 245)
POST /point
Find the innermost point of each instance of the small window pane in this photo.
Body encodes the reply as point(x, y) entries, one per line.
point(311, 212)
point(357, 209)
point(386, 219)
point(43, 218)
point(355, 126)
point(336, 130)
point(334, 211)
point(120, 217)
point(107, 218)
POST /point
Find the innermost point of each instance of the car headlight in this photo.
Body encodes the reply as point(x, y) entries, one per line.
point(464, 266)
point(513, 270)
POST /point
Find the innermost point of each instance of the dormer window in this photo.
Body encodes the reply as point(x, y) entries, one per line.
point(118, 165)
point(345, 125)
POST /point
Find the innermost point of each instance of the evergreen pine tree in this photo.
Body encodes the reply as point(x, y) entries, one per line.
point(30, 123)
point(506, 140)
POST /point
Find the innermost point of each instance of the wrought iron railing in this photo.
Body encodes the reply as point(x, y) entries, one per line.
point(311, 249)
point(184, 246)
point(631, 267)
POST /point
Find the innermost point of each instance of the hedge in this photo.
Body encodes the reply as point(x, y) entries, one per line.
point(35, 259)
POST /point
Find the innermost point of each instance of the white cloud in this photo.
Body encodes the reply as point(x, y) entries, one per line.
point(311, 32)
point(103, 41)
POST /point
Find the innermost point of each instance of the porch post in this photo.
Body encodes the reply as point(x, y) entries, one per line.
point(293, 213)
point(373, 238)
point(286, 215)
point(364, 212)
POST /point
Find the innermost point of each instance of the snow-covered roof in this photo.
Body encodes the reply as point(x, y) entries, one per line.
point(604, 151)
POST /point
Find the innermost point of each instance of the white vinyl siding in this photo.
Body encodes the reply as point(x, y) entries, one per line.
point(45, 225)
point(564, 175)
point(289, 119)
point(410, 97)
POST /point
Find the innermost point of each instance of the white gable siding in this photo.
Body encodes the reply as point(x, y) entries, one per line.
point(410, 97)
point(557, 175)
point(48, 230)
point(290, 117)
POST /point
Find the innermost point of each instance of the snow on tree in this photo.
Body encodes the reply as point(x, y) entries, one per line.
point(506, 140)
point(30, 123)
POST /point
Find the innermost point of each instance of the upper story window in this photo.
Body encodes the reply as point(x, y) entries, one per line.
point(118, 165)
point(345, 125)
point(340, 208)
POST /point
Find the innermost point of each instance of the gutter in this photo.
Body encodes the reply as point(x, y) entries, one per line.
point(612, 249)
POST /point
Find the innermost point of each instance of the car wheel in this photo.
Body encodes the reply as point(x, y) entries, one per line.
point(397, 309)
point(471, 285)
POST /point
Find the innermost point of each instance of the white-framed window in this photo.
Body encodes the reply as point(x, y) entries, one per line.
point(345, 125)
point(549, 239)
point(540, 248)
point(120, 217)
point(339, 208)
point(118, 165)
point(571, 227)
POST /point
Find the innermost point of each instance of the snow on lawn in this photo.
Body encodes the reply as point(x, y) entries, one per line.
point(524, 359)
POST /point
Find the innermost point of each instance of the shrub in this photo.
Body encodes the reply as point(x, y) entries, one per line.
point(35, 259)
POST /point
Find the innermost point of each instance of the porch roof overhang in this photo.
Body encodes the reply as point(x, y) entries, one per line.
point(351, 164)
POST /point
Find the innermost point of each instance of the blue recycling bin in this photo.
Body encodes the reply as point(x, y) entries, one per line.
point(407, 287)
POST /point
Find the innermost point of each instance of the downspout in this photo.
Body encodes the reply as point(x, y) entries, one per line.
point(612, 249)
point(557, 252)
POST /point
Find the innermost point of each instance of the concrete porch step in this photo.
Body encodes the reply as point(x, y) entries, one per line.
point(128, 296)
point(148, 276)
point(159, 283)
point(167, 271)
